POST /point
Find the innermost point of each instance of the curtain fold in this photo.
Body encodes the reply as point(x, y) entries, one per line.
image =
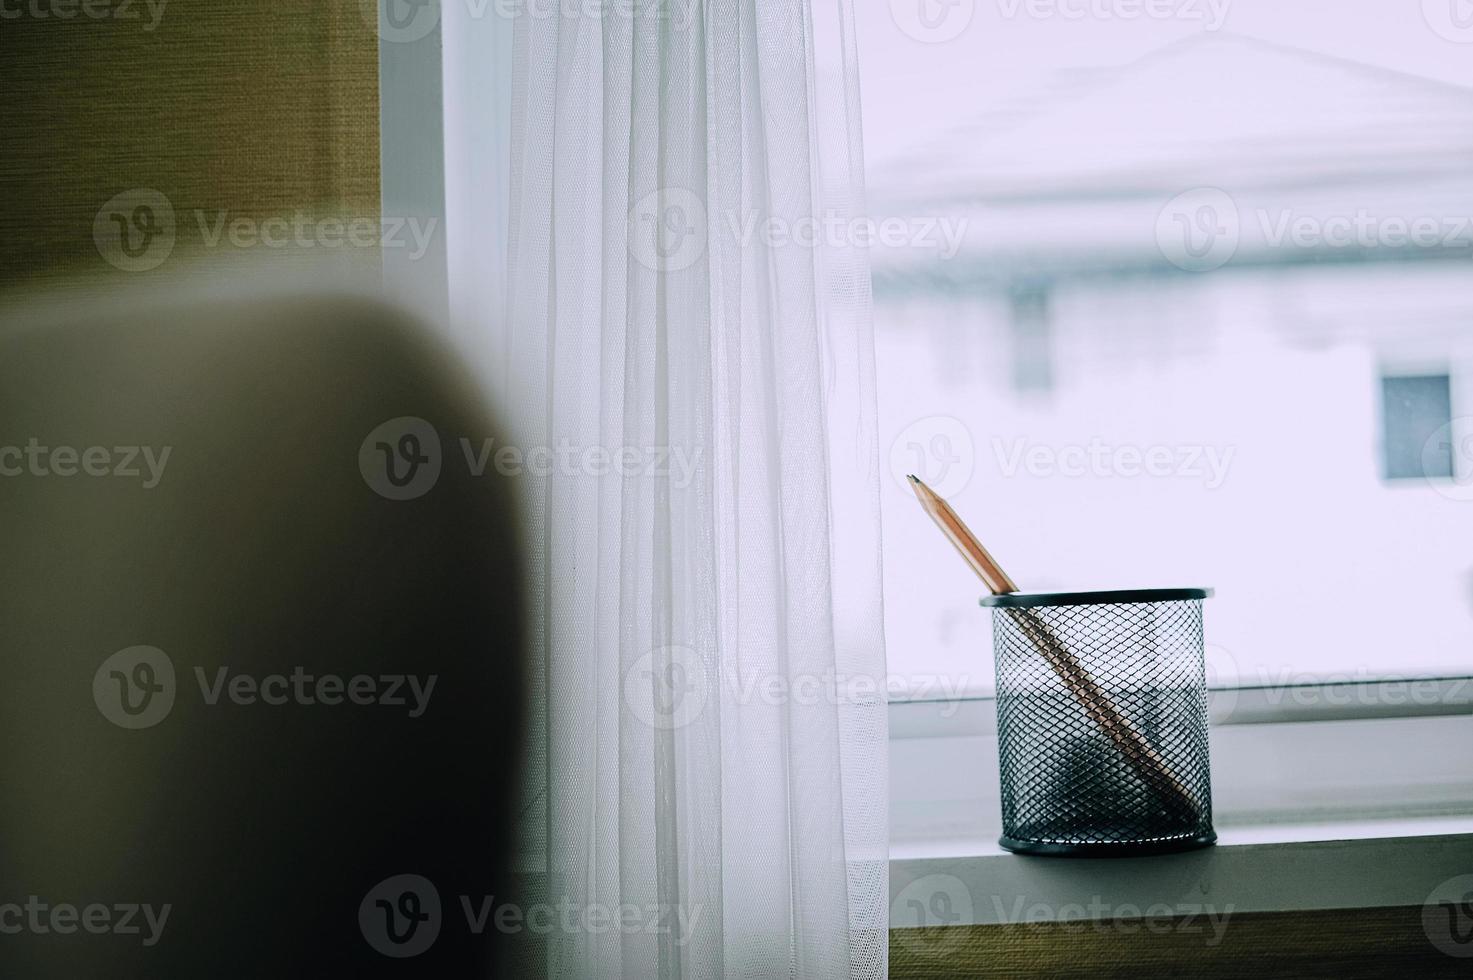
point(688, 347)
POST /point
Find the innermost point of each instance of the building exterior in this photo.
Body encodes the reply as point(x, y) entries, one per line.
point(1210, 322)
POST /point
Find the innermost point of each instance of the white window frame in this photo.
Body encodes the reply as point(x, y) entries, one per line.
point(442, 158)
point(412, 161)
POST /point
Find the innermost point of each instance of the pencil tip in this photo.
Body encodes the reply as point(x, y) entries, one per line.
point(912, 478)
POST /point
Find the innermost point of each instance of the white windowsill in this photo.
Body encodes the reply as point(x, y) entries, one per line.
point(1316, 806)
point(1249, 836)
point(1267, 869)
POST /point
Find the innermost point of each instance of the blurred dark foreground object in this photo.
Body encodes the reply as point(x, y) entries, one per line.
point(260, 645)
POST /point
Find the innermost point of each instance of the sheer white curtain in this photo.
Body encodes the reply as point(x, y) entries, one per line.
point(688, 343)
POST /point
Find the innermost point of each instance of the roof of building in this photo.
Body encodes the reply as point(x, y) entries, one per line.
point(1087, 163)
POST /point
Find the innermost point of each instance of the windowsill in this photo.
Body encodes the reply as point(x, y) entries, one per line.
point(1285, 868)
point(1245, 836)
point(1319, 803)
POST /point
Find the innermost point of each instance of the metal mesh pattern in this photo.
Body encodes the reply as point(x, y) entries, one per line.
point(1102, 727)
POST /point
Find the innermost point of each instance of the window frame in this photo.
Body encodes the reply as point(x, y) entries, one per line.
point(427, 166)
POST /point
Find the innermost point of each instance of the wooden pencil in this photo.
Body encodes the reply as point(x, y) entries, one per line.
point(1097, 704)
point(962, 538)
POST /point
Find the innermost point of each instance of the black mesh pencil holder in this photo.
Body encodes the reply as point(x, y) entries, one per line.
point(1102, 722)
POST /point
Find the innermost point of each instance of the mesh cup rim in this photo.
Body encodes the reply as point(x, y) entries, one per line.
point(1033, 600)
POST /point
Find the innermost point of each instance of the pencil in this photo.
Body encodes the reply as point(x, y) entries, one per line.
point(962, 538)
point(1097, 704)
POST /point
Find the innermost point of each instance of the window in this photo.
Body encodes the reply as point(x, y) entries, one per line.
point(1417, 424)
point(1156, 262)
